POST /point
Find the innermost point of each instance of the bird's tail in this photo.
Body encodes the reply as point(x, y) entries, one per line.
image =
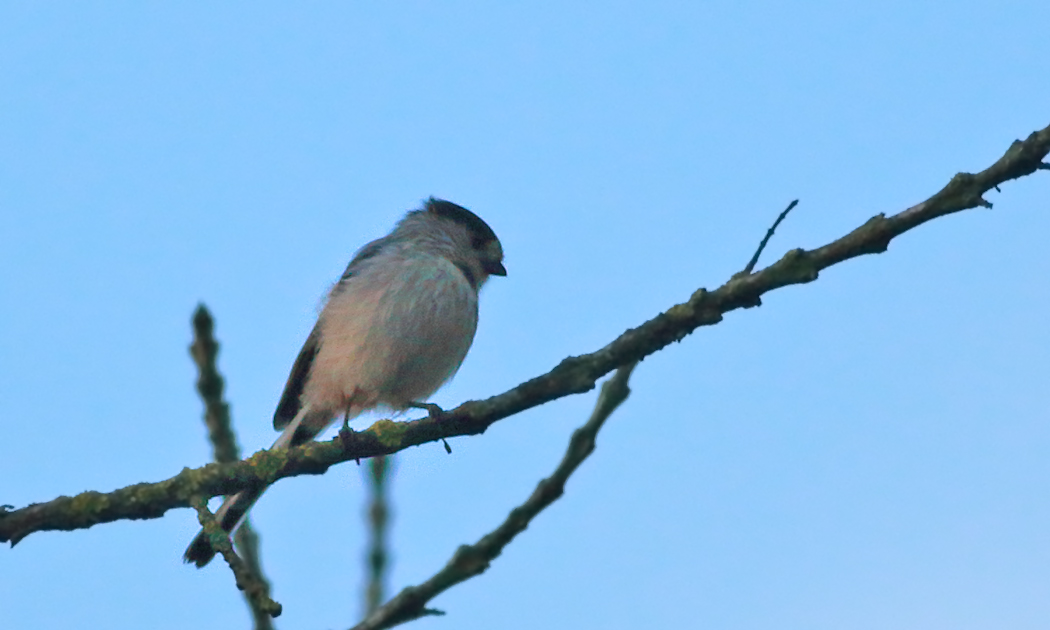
point(303, 428)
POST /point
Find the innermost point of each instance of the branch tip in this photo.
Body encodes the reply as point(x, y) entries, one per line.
point(253, 588)
point(765, 240)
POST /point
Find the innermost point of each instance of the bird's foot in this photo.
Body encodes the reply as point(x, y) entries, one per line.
point(346, 434)
point(436, 414)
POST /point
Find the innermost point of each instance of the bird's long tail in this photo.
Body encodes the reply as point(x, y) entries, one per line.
point(303, 428)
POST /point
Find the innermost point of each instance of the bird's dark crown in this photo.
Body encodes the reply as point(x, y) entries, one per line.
point(479, 230)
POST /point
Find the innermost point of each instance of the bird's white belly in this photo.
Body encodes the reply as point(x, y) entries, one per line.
point(396, 344)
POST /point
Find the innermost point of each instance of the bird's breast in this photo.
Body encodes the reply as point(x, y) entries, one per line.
point(398, 333)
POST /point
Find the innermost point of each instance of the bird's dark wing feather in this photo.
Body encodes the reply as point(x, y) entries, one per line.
point(290, 403)
point(293, 389)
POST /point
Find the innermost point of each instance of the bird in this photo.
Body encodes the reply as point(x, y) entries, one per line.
point(392, 330)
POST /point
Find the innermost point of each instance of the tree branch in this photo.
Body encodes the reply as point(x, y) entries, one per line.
point(210, 385)
point(378, 518)
point(253, 588)
point(472, 560)
point(573, 375)
point(765, 240)
point(246, 541)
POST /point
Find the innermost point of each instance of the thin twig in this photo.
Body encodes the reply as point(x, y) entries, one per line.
point(246, 541)
point(472, 560)
point(210, 385)
point(379, 469)
point(769, 234)
point(574, 375)
point(253, 588)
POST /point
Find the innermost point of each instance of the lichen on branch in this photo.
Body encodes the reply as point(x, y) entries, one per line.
point(573, 375)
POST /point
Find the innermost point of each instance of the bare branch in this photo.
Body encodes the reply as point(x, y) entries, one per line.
point(210, 385)
point(472, 560)
point(573, 375)
point(246, 542)
point(765, 240)
point(378, 517)
point(253, 588)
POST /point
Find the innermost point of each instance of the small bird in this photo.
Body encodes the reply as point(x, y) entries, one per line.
point(394, 328)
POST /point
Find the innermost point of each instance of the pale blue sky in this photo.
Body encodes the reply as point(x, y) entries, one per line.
point(868, 451)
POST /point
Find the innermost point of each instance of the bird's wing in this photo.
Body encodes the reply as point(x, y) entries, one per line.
point(293, 389)
point(290, 404)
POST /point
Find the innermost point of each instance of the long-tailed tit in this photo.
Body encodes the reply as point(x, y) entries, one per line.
point(394, 328)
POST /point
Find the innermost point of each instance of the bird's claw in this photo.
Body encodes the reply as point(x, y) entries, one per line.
point(346, 434)
point(436, 413)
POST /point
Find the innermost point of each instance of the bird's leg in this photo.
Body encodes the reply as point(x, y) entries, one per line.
point(436, 413)
point(346, 421)
point(345, 432)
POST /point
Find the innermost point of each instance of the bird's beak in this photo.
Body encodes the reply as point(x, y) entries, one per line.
point(496, 269)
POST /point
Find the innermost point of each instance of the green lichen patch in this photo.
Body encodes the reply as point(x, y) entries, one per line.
point(389, 433)
point(268, 463)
